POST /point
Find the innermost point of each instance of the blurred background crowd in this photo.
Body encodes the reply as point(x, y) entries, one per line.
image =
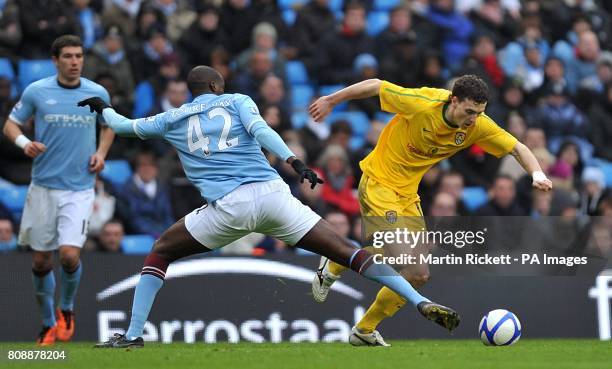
point(546, 62)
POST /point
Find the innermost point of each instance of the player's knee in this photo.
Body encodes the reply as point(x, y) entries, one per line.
point(42, 265)
point(162, 249)
point(69, 261)
point(418, 280)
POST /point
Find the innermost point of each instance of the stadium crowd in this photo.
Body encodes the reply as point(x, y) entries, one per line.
point(546, 64)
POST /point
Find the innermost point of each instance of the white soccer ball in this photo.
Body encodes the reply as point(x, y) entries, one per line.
point(499, 328)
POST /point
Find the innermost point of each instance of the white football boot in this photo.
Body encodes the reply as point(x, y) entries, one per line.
point(322, 281)
point(367, 339)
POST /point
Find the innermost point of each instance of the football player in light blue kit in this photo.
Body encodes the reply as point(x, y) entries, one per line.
point(219, 138)
point(60, 197)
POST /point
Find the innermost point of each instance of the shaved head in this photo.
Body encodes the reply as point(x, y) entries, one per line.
point(205, 80)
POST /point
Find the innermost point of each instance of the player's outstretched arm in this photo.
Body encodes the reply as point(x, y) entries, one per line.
point(31, 148)
point(361, 90)
point(529, 162)
point(117, 122)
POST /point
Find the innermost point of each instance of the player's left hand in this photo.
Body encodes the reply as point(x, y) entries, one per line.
point(96, 163)
point(541, 182)
point(321, 108)
point(95, 104)
point(306, 173)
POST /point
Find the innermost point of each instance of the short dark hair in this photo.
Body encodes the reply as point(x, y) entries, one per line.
point(471, 87)
point(63, 41)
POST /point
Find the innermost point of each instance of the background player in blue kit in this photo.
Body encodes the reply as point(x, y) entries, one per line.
point(218, 138)
point(60, 197)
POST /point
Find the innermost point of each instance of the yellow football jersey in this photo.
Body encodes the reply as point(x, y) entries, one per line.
point(419, 136)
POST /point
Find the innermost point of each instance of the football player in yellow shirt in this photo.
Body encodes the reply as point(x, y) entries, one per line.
point(429, 125)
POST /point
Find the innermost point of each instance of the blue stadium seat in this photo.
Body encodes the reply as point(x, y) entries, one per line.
point(296, 72)
point(6, 69)
point(14, 198)
point(385, 5)
point(301, 95)
point(33, 70)
point(356, 143)
point(377, 21)
point(144, 98)
point(290, 4)
point(137, 244)
point(360, 123)
point(474, 197)
point(330, 89)
point(117, 172)
point(299, 119)
point(335, 5)
point(289, 16)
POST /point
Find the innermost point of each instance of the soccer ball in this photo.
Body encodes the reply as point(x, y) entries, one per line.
point(499, 328)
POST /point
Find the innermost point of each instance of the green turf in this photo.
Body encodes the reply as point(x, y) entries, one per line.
point(417, 354)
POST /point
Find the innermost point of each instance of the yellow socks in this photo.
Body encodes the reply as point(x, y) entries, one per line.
point(387, 303)
point(335, 268)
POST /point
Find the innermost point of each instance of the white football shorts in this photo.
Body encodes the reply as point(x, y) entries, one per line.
point(262, 207)
point(53, 218)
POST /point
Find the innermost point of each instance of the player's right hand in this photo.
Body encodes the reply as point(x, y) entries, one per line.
point(95, 104)
point(320, 108)
point(306, 173)
point(33, 149)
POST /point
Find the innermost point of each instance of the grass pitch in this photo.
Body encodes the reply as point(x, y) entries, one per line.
point(417, 354)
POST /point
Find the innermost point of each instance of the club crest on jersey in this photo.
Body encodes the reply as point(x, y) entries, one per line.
point(459, 138)
point(391, 216)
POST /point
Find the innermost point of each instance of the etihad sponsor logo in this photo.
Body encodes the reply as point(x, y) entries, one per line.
point(70, 118)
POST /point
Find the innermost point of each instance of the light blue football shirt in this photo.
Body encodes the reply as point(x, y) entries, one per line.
point(213, 138)
point(68, 131)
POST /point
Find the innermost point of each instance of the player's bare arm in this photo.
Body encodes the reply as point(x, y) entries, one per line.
point(96, 162)
point(528, 161)
point(361, 90)
point(30, 148)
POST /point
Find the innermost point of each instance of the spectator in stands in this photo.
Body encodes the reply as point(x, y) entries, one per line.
point(428, 187)
point(151, 54)
point(272, 92)
point(202, 37)
point(312, 197)
point(150, 90)
point(89, 22)
point(8, 239)
point(123, 13)
point(337, 190)
point(403, 51)
point(561, 120)
point(503, 199)
point(147, 18)
point(491, 17)
point(10, 29)
point(431, 70)
point(340, 222)
point(313, 137)
point(455, 29)
point(267, 11)
point(179, 14)
point(175, 94)
point(121, 103)
point(286, 171)
point(593, 89)
point(365, 67)
point(567, 169)
point(582, 67)
point(376, 128)
point(476, 166)
point(512, 102)
point(103, 208)
point(600, 116)
point(237, 21)
point(340, 134)
point(264, 39)
point(593, 191)
point(249, 81)
point(108, 56)
point(524, 187)
point(483, 62)
point(400, 26)
point(338, 50)
point(111, 236)
point(541, 204)
point(313, 22)
point(148, 209)
point(276, 118)
point(5, 213)
point(42, 21)
point(554, 75)
point(535, 138)
point(444, 205)
point(452, 182)
point(508, 166)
